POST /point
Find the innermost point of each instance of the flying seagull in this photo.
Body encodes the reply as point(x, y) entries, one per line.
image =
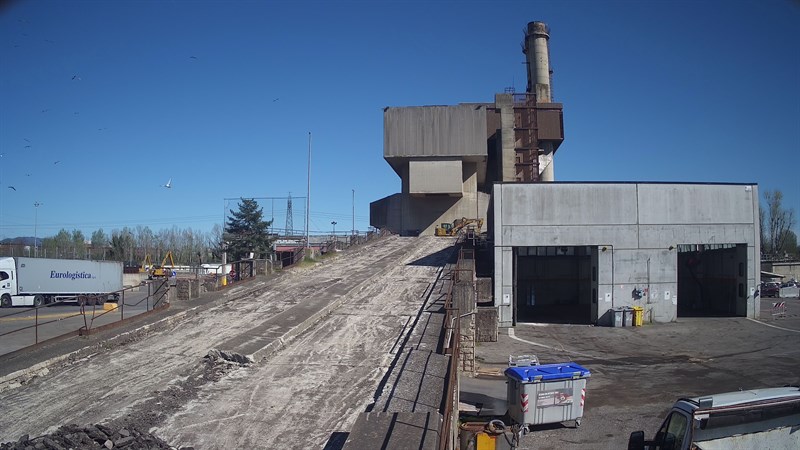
point(25, 139)
point(12, 187)
point(193, 57)
point(27, 146)
point(57, 162)
point(169, 184)
point(275, 99)
point(75, 77)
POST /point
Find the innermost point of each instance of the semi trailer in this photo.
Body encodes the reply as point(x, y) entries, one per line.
point(39, 281)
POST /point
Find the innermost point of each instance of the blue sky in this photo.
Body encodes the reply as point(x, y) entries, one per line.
point(220, 97)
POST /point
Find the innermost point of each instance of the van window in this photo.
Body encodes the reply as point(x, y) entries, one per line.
point(672, 434)
point(4, 275)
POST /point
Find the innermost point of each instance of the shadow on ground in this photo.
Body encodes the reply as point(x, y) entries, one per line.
point(446, 255)
point(336, 441)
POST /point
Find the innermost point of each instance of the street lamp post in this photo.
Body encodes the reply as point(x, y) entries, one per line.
point(353, 233)
point(334, 234)
point(308, 191)
point(36, 206)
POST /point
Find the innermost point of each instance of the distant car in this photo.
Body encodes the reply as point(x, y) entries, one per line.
point(771, 290)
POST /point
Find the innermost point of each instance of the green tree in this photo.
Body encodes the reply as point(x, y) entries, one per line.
point(63, 245)
point(99, 243)
point(247, 232)
point(78, 244)
point(122, 245)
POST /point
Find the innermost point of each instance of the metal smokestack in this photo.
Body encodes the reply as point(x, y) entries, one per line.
point(537, 50)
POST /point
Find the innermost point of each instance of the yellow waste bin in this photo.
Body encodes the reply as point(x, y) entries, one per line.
point(638, 316)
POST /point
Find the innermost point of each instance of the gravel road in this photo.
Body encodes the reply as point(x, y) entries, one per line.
point(305, 395)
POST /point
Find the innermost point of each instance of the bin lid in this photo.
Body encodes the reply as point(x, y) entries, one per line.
point(548, 372)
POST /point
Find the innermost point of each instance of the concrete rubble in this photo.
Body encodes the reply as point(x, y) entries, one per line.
point(91, 437)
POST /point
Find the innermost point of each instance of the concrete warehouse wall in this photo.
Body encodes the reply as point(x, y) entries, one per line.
point(636, 228)
point(788, 269)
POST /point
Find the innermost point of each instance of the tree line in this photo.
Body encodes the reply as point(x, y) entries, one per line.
point(245, 234)
point(131, 245)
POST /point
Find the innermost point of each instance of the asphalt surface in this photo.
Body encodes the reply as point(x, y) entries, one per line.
point(638, 373)
point(23, 326)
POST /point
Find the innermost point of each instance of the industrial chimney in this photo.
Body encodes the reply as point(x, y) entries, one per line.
point(537, 51)
point(538, 58)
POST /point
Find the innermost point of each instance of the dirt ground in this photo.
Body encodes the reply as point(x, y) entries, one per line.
point(300, 397)
point(638, 373)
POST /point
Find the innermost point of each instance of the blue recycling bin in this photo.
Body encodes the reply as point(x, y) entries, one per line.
point(548, 393)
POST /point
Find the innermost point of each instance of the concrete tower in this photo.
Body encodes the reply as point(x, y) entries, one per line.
point(537, 50)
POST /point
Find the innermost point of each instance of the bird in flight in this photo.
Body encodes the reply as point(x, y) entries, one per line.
point(12, 187)
point(27, 146)
point(57, 162)
point(45, 110)
point(25, 139)
point(193, 57)
point(169, 184)
point(275, 99)
point(75, 77)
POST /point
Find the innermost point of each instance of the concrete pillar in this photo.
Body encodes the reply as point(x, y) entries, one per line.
point(546, 169)
point(507, 163)
point(464, 300)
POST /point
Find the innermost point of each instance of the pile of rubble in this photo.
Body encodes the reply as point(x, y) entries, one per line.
point(99, 437)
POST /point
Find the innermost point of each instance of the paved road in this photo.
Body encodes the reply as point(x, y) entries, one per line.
point(18, 325)
point(637, 373)
point(316, 385)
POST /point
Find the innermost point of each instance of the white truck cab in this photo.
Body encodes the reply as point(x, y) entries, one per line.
point(753, 419)
point(8, 281)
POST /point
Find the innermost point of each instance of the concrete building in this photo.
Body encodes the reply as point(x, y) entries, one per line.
point(447, 157)
point(440, 155)
point(568, 252)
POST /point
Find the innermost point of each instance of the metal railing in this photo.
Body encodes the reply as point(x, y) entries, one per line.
point(452, 347)
point(92, 309)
